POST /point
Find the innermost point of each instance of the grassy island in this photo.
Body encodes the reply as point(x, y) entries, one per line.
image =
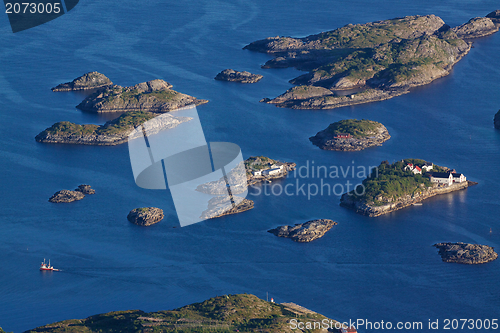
point(391, 182)
point(228, 313)
point(355, 128)
point(122, 125)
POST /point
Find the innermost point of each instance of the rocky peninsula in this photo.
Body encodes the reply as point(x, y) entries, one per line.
point(375, 61)
point(112, 133)
point(496, 120)
point(351, 135)
point(221, 205)
point(227, 313)
point(304, 232)
point(234, 76)
point(145, 216)
point(152, 96)
point(92, 80)
point(391, 187)
point(464, 253)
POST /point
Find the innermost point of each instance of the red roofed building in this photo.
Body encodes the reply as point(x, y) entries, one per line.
point(348, 330)
point(342, 136)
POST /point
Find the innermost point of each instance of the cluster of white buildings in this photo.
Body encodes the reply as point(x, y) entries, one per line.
point(274, 170)
point(440, 178)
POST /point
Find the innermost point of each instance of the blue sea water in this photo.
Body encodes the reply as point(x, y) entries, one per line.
point(371, 268)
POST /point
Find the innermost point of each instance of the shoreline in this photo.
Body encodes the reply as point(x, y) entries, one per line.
point(375, 211)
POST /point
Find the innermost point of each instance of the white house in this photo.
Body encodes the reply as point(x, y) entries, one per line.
point(276, 166)
point(413, 168)
point(428, 166)
point(272, 172)
point(257, 173)
point(458, 177)
point(442, 178)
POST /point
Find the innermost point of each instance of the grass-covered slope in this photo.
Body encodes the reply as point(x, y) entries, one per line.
point(357, 128)
point(153, 96)
point(232, 313)
point(389, 182)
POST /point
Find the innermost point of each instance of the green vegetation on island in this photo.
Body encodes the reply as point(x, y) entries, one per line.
point(228, 313)
point(385, 57)
point(153, 96)
point(389, 182)
point(356, 128)
point(118, 128)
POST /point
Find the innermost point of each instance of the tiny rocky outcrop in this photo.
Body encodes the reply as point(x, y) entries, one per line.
point(87, 81)
point(465, 253)
point(351, 135)
point(145, 216)
point(235, 76)
point(476, 27)
point(153, 96)
point(304, 232)
point(85, 189)
point(66, 196)
point(496, 120)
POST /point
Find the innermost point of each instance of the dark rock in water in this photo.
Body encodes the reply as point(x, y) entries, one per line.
point(464, 253)
point(304, 232)
point(66, 196)
point(476, 27)
point(496, 120)
point(87, 81)
point(85, 189)
point(494, 16)
point(145, 216)
point(235, 76)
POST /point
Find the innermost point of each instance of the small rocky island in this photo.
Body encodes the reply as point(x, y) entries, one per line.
point(464, 253)
point(92, 80)
point(221, 205)
point(153, 96)
point(227, 313)
point(304, 232)
point(390, 187)
point(496, 120)
point(257, 169)
point(65, 196)
point(234, 76)
point(112, 133)
point(145, 216)
point(351, 135)
point(373, 61)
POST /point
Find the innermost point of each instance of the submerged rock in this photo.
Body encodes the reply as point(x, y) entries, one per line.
point(464, 253)
point(66, 196)
point(145, 216)
point(85, 189)
point(235, 76)
point(87, 81)
point(304, 232)
point(496, 120)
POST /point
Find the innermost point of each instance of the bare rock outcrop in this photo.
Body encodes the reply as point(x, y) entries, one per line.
point(304, 232)
point(65, 196)
point(91, 80)
point(85, 189)
point(464, 253)
point(476, 27)
point(145, 216)
point(235, 76)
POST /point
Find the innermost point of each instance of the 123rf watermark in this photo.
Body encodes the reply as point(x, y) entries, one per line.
point(365, 324)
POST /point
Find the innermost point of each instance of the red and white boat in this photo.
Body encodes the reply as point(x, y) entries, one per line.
point(46, 267)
